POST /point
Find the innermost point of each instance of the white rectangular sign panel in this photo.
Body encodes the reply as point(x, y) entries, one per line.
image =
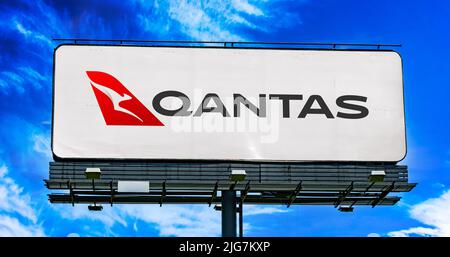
point(186, 103)
point(133, 186)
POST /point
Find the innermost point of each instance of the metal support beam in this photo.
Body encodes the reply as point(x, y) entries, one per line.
point(71, 192)
point(112, 192)
point(370, 186)
point(199, 183)
point(245, 192)
point(223, 43)
point(233, 185)
point(344, 195)
point(294, 194)
point(229, 213)
point(163, 193)
point(214, 193)
point(383, 194)
point(241, 216)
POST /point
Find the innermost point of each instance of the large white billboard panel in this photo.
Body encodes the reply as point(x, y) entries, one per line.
point(131, 102)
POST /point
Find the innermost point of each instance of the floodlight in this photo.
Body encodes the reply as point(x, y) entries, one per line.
point(345, 209)
point(93, 173)
point(377, 176)
point(95, 207)
point(238, 175)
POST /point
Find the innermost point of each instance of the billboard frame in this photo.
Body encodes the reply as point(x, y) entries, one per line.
point(74, 188)
point(232, 46)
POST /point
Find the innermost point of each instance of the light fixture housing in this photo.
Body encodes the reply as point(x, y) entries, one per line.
point(345, 209)
point(94, 207)
point(93, 173)
point(238, 175)
point(377, 176)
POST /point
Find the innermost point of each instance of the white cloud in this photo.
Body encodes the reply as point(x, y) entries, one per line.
point(434, 213)
point(14, 80)
point(32, 73)
point(33, 35)
point(42, 144)
point(169, 220)
point(17, 217)
point(244, 6)
point(202, 21)
point(212, 20)
point(108, 216)
point(17, 78)
point(38, 34)
point(135, 227)
point(373, 235)
point(241, 20)
point(12, 199)
point(49, 24)
point(13, 77)
point(12, 227)
point(420, 231)
point(208, 20)
point(195, 220)
point(172, 220)
point(256, 210)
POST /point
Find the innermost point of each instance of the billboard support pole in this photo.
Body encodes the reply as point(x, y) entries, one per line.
point(228, 213)
point(241, 217)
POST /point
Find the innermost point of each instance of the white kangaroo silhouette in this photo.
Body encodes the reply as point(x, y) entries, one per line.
point(115, 98)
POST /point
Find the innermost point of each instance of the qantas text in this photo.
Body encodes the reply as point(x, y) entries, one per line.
point(350, 106)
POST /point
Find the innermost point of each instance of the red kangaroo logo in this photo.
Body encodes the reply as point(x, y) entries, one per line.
point(118, 105)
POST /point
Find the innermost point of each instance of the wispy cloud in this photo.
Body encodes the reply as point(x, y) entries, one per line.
point(169, 220)
point(17, 217)
point(27, 45)
point(213, 20)
point(32, 35)
point(416, 231)
point(200, 20)
point(21, 78)
point(12, 199)
point(172, 220)
point(245, 6)
point(434, 213)
point(32, 74)
point(12, 227)
point(25, 77)
point(250, 210)
point(9, 80)
point(42, 144)
point(109, 216)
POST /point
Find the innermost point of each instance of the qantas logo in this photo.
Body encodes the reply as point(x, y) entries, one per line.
point(118, 105)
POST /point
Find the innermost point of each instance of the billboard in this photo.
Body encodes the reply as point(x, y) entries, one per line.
point(211, 103)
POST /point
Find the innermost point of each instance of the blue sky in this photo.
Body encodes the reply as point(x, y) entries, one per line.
point(26, 48)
